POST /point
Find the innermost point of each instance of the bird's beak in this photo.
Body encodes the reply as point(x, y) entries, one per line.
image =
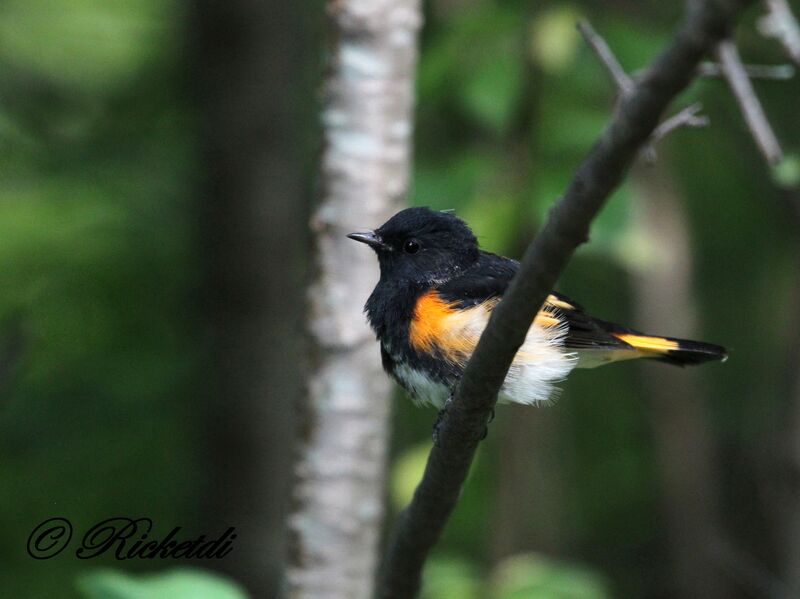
point(370, 238)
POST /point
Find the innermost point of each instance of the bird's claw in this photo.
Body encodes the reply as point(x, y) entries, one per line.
point(443, 413)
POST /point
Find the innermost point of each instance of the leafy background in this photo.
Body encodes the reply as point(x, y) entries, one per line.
point(101, 261)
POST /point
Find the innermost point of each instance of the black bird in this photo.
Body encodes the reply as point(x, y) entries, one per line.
point(436, 291)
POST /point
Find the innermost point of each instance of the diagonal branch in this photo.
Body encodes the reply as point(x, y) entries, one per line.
point(421, 523)
point(742, 89)
point(781, 24)
point(622, 80)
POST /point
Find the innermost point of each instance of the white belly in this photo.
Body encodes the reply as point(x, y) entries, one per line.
point(531, 379)
point(422, 388)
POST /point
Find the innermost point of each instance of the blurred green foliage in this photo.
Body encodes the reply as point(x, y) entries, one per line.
point(175, 584)
point(100, 265)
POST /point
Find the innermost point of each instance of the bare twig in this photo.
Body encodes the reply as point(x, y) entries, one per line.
point(753, 113)
point(421, 523)
point(780, 23)
point(687, 117)
point(622, 80)
point(776, 72)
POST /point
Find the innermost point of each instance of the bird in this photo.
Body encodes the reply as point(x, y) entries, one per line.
point(436, 292)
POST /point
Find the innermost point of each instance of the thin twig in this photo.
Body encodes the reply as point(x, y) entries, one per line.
point(686, 117)
point(745, 95)
point(625, 84)
point(421, 523)
point(622, 80)
point(781, 24)
point(777, 72)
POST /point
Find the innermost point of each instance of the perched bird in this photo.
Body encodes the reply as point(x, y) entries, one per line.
point(436, 291)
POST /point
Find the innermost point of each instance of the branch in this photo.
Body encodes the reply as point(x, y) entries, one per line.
point(687, 117)
point(775, 72)
point(742, 89)
point(622, 80)
point(781, 24)
point(420, 524)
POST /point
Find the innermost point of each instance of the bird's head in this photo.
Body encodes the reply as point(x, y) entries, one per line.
point(420, 245)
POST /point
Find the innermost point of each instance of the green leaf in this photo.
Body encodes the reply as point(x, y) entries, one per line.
point(786, 173)
point(407, 472)
point(88, 43)
point(493, 86)
point(553, 38)
point(531, 575)
point(450, 578)
point(477, 62)
point(173, 584)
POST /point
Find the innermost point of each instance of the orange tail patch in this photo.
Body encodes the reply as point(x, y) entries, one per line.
point(648, 344)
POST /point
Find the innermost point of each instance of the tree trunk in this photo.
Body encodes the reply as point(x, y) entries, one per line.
point(781, 460)
point(684, 446)
point(250, 64)
point(367, 124)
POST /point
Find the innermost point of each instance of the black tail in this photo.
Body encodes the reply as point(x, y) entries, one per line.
point(690, 353)
point(681, 352)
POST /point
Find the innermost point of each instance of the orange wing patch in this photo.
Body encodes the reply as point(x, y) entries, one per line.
point(558, 303)
point(648, 344)
point(548, 316)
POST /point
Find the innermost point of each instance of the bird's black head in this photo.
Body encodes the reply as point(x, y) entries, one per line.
point(420, 245)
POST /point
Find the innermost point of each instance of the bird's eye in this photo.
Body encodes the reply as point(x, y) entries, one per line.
point(411, 246)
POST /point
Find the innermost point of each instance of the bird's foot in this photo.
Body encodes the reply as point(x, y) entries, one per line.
point(440, 417)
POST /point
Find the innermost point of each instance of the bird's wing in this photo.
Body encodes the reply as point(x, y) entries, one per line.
point(597, 341)
point(489, 278)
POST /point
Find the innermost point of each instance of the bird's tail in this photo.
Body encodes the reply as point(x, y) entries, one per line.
point(681, 352)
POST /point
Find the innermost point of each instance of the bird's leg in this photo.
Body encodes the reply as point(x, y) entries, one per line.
point(440, 419)
point(441, 416)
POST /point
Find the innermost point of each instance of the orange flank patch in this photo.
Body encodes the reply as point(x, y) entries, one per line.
point(648, 344)
point(437, 324)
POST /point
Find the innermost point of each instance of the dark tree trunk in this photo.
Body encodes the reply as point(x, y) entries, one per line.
point(251, 65)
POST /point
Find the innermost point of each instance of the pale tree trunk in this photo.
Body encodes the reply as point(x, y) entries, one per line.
point(685, 449)
point(367, 126)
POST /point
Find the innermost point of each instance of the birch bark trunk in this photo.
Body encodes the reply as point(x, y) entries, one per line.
point(367, 126)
